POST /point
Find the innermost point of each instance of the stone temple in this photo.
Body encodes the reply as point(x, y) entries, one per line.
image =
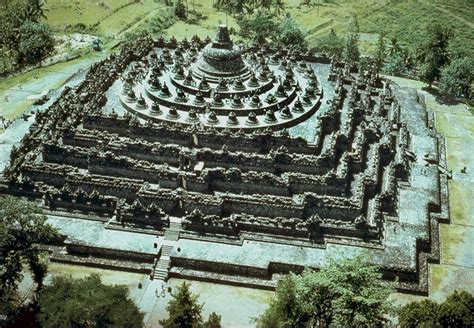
point(208, 160)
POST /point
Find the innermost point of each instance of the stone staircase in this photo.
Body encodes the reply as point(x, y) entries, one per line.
point(172, 233)
point(162, 267)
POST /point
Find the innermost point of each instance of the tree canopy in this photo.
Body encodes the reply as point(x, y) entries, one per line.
point(346, 293)
point(433, 53)
point(457, 78)
point(456, 311)
point(214, 321)
point(258, 27)
point(249, 7)
point(331, 44)
point(24, 39)
point(351, 51)
point(184, 310)
point(289, 34)
point(22, 226)
point(87, 302)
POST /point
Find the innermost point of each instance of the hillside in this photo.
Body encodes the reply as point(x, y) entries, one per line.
point(404, 19)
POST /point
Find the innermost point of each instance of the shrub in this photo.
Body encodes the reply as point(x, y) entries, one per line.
point(457, 78)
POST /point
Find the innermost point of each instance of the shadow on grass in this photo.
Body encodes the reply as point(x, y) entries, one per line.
point(195, 18)
point(443, 99)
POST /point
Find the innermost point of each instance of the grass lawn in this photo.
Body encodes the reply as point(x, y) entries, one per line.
point(18, 89)
point(109, 16)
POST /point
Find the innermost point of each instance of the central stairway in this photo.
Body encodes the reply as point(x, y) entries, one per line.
point(162, 267)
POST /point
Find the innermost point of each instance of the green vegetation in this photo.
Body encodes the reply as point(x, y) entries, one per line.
point(214, 321)
point(257, 27)
point(351, 51)
point(184, 311)
point(408, 21)
point(249, 7)
point(348, 293)
point(23, 38)
point(397, 60)
point(180, 9)
point(456, 311)
point(331, 44)
point(289, 34)
point(457, 78)
point(433, 53)
point(105, 18)
point(153, 26)
point(263, 26)
point(87, 302)
point(22, 226)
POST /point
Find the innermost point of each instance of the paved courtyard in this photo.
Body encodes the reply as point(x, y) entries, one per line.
point(456, 268)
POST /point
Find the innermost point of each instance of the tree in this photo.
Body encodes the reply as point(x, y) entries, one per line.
point(183, 309)
point(394, 46)
point(22, 226)
point(87, 302)
point(180, 9)
point(419, 314)
point(351, 50)
point(36, 42)
point(380, 54)
point(278, 6)
point(457, 78)
point(214, 321)
point(395, 64)
point(433, 53)
point(331, 44)
point(289, 34)
point(346, 293)
point(457, 310)
point(258, 27)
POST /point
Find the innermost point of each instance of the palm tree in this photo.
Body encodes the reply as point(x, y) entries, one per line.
point(35, 10)
point(278, 6)
point(265, 4)
point(394, 46)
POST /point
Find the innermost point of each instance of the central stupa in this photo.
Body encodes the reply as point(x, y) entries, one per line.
point(221, 58)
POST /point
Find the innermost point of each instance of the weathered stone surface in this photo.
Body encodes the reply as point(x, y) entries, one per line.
point(213, 152)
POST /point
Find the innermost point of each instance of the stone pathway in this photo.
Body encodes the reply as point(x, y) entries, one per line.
point(456, 267)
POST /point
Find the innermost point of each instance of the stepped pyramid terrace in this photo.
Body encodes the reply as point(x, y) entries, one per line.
point(209, 160)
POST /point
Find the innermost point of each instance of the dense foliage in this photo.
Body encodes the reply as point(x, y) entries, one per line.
point(289, 34)
point(457, 78)
point(456, 311)
point(214, 321)
point(346, 293)
point(183, 309)
point(264, 26)
point(23, 38)
point(408, 21)
point(87, 302)
point(331, 44)
point(36, 42)
point(258, 27)
point(180, 9)
point(248, 7)
point(351, 51)
point(433, 53)
point(22, 226)
point(154, 26)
